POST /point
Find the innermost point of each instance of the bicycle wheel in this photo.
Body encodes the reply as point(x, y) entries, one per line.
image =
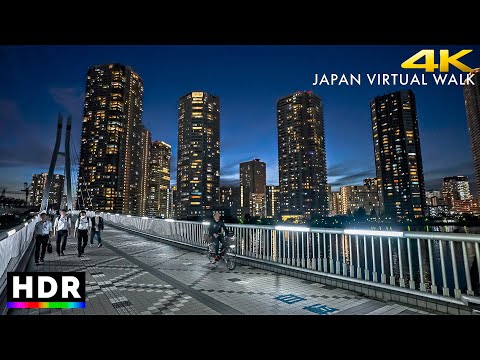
point(231, 259)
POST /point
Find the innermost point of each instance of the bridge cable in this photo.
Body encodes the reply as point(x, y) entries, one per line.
point(75, 179)
point(83, 177)
point(90, 197)
point(80, 189)
point(76, 159)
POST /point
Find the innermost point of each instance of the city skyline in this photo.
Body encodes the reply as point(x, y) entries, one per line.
point(349, 154)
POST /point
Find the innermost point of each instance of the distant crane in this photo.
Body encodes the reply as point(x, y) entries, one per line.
point(26, 190)
point(5, 192)
point(4, 200)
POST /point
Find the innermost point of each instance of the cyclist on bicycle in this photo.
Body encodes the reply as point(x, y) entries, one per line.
point(215, 232)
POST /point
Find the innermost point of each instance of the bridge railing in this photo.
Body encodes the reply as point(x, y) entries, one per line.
point(13, 245)
point(445, 264)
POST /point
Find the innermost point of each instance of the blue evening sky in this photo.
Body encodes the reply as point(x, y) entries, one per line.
point(37, 82)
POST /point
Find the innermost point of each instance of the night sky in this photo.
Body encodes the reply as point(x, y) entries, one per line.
point(37, 82)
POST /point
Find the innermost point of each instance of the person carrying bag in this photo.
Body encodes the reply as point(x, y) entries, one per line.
point(42, 233)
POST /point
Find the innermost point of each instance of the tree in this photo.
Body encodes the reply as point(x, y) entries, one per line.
point(360, 214)
point(249, 219)
point(373, 213)
point(267, 221)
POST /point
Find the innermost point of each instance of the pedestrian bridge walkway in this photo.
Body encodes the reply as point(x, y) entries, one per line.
point(133, 274)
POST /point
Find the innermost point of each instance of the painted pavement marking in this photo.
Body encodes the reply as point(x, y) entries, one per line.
point(289, 298)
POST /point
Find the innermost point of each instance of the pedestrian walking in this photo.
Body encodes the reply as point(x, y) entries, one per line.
point(51, 214)
point(61, 228)
point(97, 227)
point(42, 233)
point(82, 227)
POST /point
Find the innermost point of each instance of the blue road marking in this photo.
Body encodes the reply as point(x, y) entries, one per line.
point(320, 309)
point(289, 298)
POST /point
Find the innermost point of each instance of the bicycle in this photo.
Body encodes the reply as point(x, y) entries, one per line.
point(228, 255)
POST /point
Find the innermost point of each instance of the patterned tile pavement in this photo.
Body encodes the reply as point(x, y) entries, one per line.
point(135, 275)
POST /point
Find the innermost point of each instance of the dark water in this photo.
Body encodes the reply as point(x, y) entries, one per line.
point(317, 245)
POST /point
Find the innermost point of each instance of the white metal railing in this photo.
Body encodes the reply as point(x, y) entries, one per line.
point(13, 247)
point(436, 263)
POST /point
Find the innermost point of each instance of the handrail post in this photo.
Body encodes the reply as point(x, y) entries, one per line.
point(365, 255)
point(325, 262)
point(330, 253)
point(303, 252)
point(359, 268)
point(445, 289)
point(420, 266)
point(400, 264)
point(297, 263)
point(467, 269)
point(477, 257)
point(383, 276)
point(319, 254)
point(374, 266)
point(457, 292)
point(337, 265)
point(352, 267)
point(433, 287)
point(411, 281)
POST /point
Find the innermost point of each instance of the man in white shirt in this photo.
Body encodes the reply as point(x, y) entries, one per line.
point(82, 227)
point(42, 233)
point(61, 228)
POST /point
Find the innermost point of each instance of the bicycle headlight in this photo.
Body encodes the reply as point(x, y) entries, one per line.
point(232, 246)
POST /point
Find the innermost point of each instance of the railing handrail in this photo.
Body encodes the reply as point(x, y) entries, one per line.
point(438, 235)
point(13, 246)
point(16, 228)
point(367, 232)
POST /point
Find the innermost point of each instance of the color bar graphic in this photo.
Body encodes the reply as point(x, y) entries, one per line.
point(46, 305)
